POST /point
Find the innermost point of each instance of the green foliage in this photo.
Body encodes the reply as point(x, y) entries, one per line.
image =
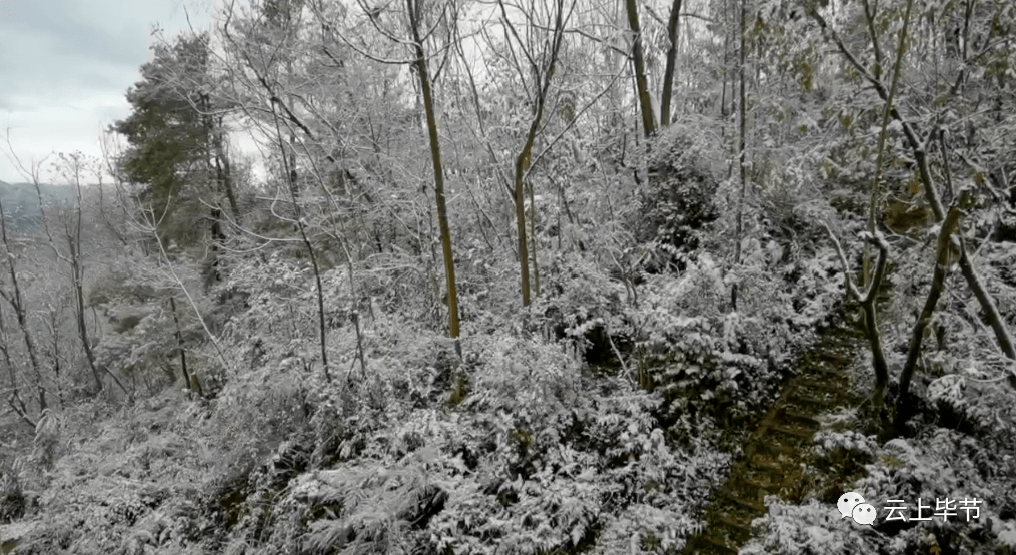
point(170, 140)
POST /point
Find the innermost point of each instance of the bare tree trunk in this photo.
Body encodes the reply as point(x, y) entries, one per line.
point(16, 402)
point(521, 165)
point(77, 273)
point(224, 174)
point(724, 112)
point(53, 324)
point(414, 9)
point(645, 103)
point(668, 72)
point(867, 302)
point(302, 227)
point(79, 303)
point(876, 184)
point(944, 257)
point(532, 233)
point(741, 156)
point(543, 76)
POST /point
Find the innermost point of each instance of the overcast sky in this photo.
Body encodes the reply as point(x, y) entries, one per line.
point(66, 64)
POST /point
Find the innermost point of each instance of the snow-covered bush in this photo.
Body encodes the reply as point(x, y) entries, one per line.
point(678, 202)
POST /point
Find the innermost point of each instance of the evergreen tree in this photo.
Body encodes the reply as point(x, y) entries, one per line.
point(175, 142)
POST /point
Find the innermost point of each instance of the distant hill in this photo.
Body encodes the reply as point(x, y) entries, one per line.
point(21, 204)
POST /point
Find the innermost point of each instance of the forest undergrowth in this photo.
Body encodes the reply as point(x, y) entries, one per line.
point(593, 422)
point(958, 446)
point(598, 420)
point(517, 278)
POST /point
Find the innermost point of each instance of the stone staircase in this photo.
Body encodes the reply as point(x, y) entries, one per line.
point(772, 460)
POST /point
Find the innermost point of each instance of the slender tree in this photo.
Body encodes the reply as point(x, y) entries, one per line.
point(638, 60)
point(742, 161)
point(945, 256)
point(541, 64)
point(414, 11)
point(673, 25)
point(16, 300)
point(866, 300)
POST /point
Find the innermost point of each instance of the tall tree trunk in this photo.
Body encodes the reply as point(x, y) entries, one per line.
point(668, 72)
point(521, 164)
point(867, 302)
point(645, 102)
point(943, 260)
point(542, 78)
point(876, 184)
point(726, 68)
point(15, 400)
point(532, 233)
point(77, 275)
point(215, 153)
point(741, 155)
point(413, 7)
point(224, 173)
point(54, 327)
point(79, 309)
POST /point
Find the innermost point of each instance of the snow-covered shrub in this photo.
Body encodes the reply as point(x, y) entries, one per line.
point(706, 363)
point(148, 322)
point(843, 453)
point(579, 303)
point(677, 203)
point(811, 529)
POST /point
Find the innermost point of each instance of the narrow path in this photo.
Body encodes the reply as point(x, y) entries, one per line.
point(771, 463)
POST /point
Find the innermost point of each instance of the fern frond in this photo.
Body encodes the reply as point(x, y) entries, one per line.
point(325, 535)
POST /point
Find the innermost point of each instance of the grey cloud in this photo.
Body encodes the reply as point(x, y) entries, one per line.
point(60, 47)
point(65, 64)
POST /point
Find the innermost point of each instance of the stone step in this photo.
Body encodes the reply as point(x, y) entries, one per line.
point(725, 509)
point(772, 449)
point(751, 493)
point(819, 382)
point(754, 505)
point(824, 370)
point(728, 538)
point(759, 461)
point(765, 478)
point(793, 431)
point(788, 413)
point(803, 401)
point(737, 532)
